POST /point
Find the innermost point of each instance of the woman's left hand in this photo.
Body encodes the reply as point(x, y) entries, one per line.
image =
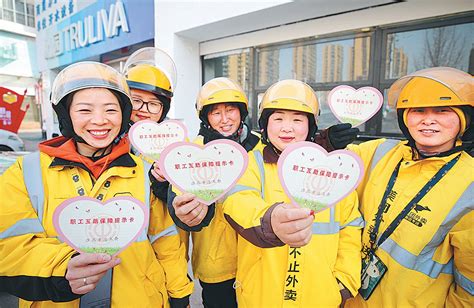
point(156, 172)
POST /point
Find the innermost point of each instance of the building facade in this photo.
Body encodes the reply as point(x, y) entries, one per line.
point(256, 43)
point(324, 43)
point(70, 31)
point(18, 59)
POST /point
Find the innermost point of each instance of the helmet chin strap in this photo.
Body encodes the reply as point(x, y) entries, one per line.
point(210, 133)
point(465, 146)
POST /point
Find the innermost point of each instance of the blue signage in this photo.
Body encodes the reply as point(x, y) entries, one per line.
point(72, 35)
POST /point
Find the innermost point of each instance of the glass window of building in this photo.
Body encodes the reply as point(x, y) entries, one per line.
point(18, 11)
point(340, 60)
point(409, 51)
point(343, 60)
point(389, 117)
point(373, 58)
point(447, 44)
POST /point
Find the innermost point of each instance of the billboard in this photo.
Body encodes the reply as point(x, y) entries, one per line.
point(71, 31)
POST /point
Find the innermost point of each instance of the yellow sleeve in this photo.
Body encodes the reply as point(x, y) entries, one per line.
point(245, 209)
point(461, 293)
point(365, 151)
point(169, 250)
point(348, 262)
point(32, 265)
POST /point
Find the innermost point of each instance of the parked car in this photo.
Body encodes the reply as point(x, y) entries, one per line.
point(10, 141)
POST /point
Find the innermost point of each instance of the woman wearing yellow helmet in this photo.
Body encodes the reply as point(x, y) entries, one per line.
point(222, 107)
point(151, 76)
point(285, 255)
point(417, 197)
point(92, 102)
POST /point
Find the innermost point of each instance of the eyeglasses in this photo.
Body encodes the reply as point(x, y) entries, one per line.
point(151, 106)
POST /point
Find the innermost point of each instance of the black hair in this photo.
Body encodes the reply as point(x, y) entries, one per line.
point(263, 123)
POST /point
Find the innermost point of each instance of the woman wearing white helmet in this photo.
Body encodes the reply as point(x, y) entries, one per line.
point(92, 159)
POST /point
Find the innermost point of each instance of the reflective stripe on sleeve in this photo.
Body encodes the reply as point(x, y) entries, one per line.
point(24, 226)
point(466, 283)
point(260, 164)
point(34, 182)
point(424, 262)
point(381, 151)
point(357, 222)
point(171, 230)
point(238, 188)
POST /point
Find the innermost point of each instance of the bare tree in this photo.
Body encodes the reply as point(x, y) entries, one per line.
point(444, 46)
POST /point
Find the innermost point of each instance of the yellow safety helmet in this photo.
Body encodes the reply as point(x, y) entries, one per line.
point(437, 86)
point(221, 90)
point(432, 87)
point(148, 78)
point(84, 75)
point(151, 69)
point(290, 94)
point(293, 95)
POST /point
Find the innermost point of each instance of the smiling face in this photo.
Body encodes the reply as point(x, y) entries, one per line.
point(140, 111)
point(96, 117)
point(286, 127)
point(434, 129)
point(224, 118)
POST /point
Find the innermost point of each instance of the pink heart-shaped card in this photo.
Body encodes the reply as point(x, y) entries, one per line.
point(90, 226)
point(208, 172)
point(354, 106)
point(314, 179)
point(151, 138)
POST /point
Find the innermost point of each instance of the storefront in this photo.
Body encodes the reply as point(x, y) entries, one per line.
point(72, 30)
point(326, 44)
point(18, 68)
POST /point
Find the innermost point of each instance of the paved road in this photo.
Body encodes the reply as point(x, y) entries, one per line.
point(8, 301)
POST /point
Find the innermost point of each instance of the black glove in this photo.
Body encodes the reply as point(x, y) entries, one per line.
point(340, 135)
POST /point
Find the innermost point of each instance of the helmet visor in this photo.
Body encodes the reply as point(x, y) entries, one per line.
point(459, 82)
point(84, 75)
point(155, 57)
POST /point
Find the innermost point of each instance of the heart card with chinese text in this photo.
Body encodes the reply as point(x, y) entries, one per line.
point(314, 179)
point(89, 225)
point(208, 172)
point(151, 138)
point(354, 106)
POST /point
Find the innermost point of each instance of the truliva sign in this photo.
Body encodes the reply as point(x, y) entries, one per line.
point(98, 28)
point(105, 24)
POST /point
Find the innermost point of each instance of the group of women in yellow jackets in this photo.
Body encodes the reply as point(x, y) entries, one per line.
point(408, 227)
point(413, 207)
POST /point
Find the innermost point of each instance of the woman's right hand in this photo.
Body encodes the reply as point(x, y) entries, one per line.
point(189, 210)
point(292, 224)
point(85, 270)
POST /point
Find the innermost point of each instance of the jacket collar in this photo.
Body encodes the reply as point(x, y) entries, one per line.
point(64, 153)
point(270, 155)
point(411, 154)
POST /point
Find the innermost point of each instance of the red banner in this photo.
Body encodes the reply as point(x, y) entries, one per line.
point(11, 113)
